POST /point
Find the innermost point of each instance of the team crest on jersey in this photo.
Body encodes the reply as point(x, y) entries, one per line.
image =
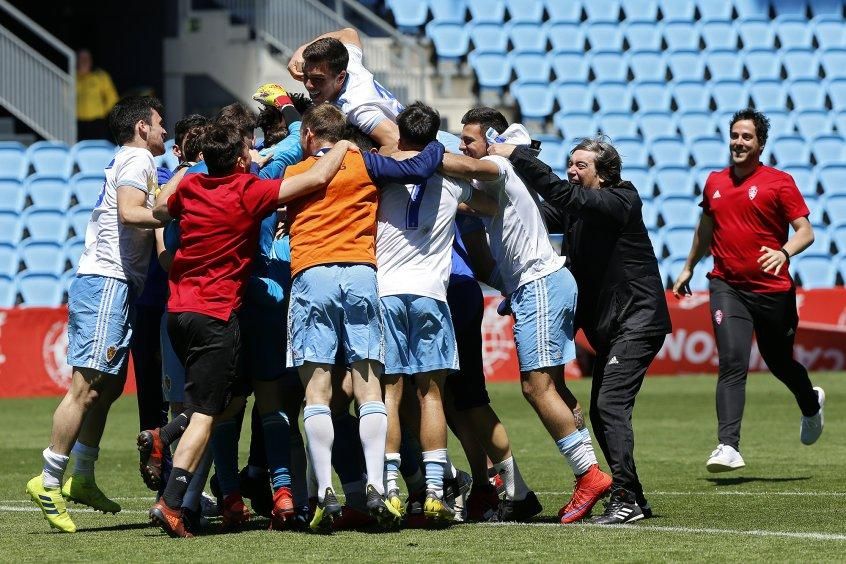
point(753, 191)
point(111, 352)
point(718, 316)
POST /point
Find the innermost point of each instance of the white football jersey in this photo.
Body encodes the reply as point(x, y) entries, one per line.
point(363, 100)
point(112, 249)
point(414, 236)
point(518, 237)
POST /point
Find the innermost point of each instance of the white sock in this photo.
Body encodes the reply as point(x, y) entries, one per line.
point(373, 429)
point(54, 468)
point(85, 456)
point(392, 464)
point(311, 479)
point(317, 421)
point(191, 499)
point(515, 488)
point(588, 442)
point(575, 452)
point(450, 471)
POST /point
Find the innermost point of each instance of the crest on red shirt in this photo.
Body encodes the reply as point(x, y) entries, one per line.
point(718, 316)
point(753, 191)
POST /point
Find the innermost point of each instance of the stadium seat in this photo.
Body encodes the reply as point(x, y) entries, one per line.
point(40, 290)
point(709, 151)
point(789, 8)
point(451, 40)
point(643, 35)
point(609, 65)
point(686, 65)
point(822, 241)
point(13, 161)
point(816, 206)
point(570, 65)
point(574, 96)
point(826, 7)
point(800, 63)
point(92, 157)
point(716, 10)
point(804, 177)
point(553, 154)
point(569, 11)
point(525, 10)
point(530, 66)
point(617, 124)
point(613, 96)
point(488, 37)
point(674, 180)
point(602, 10)
point(768, 95)
point(719, 34)
point(814, 270)
point(730, 95)
point(9, 260)
point(828, 149)
point(50, 158)
point(12, 196)
point(747, 9)
point(79, 217)
point(679, 211)
point(87, 188)
point(8, 291)
point(574, 124)
point(11, 227)
point(641, 10)
point(45, 225)
point(647, 65)
point(656, 124)
point(677, 240)
point(835, 207)
point(409, 15)
point(649, 210)
point(830, 31)
point(642, 179)
point(724, 64)
point(794, 32)
point(652, 96)
point(669, 151)
point(813, 122)
point(657, 241)
point(681, 35)
point(48, 192)
point(833, 61)
point(527, 36)
point(43, 257)
point(837, 233)
point(837, 94)
point(781, 123)
point(604, 36)
point(696, 123)
point(535, 98)
point(832, 178)
point(493, 70)
point(762, 64)
point(691, 95)
point(566, 36)
point(632, 151)
point(678, 10)
point(487, 10)
point(73, 251)
point(448, 10)
point(756, 33)
point(789, 150)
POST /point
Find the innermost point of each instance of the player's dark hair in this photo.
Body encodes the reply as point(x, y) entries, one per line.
point(762, 124)
point(326, 122)
point(272, 123)
point(360, 138)
point(486, 118)
point(330, 51)
point(128, 112)
point(418, 124)
point(608, 161)
point(184, 125)
point(192, 142)
point(237, 116)
point(222, 145)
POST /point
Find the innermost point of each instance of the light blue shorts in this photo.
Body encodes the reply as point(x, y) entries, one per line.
point(419, 336)
point(101, 311)
point(334, 306)
point(173, 373)
point(543, 321)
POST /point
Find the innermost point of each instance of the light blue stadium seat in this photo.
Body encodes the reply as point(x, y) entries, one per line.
point(45, 225)
point(838, 236)
point(730, 94)
point(570, 65)
point(448, 10)
point(50, 158)
point(602, 10)
point(609, 65)
point(79, 217)
point(564, 10)
point(13, 161)
point(829, 149)
point(837, 94)
point(816, 206)
point(604, 36)
point(652, 96)
point(679, 211)
point(686, 65)
point(93, 156)
point(678, 10)
point(8, 291)
point(574, 125)
point(719, 34)
point(641, 10)
point(647, 65)
point(574, 96)
point(724, 64)
point(794, 32)
point(553, 153)
point(493, 69)
point(613, 96)
point(11, 227)
point(409, 15)
point(806, 94)
point(814, 121)
point(789, 150)
point(43, 258)
point(696, 123)
point(830, 31)
point(781, 123)
point(833, 178)
point(632, 151)
point(822, 241)
point(833, 61)
point(617, 124)
point(826, 7)
point(9, 260)
point(649, 210)
point(756, 33)
point(525, 10)
point(643, 35)
point(677, 240)
point(674, 180)
point(535, 98)
point(800, 63)
point(804, 177)
point(681, 35)
point(669, 151)
point(12, 196)
point(526, 36)
point(768, 95)
point(789, 8)
point(489, 37)
point(762, 64)
point(451, 40)
point(656, 124)
point(642, 179)
point(657, 240)
point(530, 65)
point(709, 151)
point(48, 192)
point(487, 10)
point(40, 290)
point(839, 120)
point(87, 188)
point(715, 10)
point(73, 251)
point(566, 36)
point(691, 95)
point(814, 270)
point(747, 9)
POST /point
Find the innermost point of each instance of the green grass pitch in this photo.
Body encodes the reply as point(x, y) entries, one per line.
point(786, 505)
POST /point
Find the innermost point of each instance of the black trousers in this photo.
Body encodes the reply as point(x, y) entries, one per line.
point(735, 314)
point(617, 376)
point(147, 360)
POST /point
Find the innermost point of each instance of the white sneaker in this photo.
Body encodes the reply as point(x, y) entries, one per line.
point(812, 427)
point(724, 459)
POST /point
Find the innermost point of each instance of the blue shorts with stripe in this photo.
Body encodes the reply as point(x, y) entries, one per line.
point(544, 311)
point(419, 336)
point(100, 315)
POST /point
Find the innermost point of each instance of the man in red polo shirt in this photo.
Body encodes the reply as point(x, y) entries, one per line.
point(747, 209)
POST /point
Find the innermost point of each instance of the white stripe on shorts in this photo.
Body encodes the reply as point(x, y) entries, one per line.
point(102, 323)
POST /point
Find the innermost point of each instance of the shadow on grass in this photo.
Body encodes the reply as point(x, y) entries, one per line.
point(123, 527)
point(738, 480)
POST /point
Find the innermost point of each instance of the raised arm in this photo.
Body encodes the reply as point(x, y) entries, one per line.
point(318, 176)
point(469, 168)
point(346, 35)
point(414, 170)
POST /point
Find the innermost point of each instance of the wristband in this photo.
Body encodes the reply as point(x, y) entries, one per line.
point(786, 254)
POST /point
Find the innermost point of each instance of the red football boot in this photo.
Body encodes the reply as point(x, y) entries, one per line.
point(151, 447)
point(590, 487)
point(234, 512)
point(283, 509)
point(170, 520)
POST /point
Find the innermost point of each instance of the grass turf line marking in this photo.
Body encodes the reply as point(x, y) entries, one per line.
point(804, 494)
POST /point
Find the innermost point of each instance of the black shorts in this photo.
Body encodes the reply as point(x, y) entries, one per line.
point(467, 386)
point(209, 349)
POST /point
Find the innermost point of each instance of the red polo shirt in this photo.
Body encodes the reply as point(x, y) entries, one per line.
point(219, 220)
point(749, 214)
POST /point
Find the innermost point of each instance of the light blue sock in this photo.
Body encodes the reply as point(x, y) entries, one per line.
point(277, 446)
point(573, 449)
point(435, 462)
point(225, 451)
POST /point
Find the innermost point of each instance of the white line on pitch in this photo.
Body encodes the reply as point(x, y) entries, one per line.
point(768, 494)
